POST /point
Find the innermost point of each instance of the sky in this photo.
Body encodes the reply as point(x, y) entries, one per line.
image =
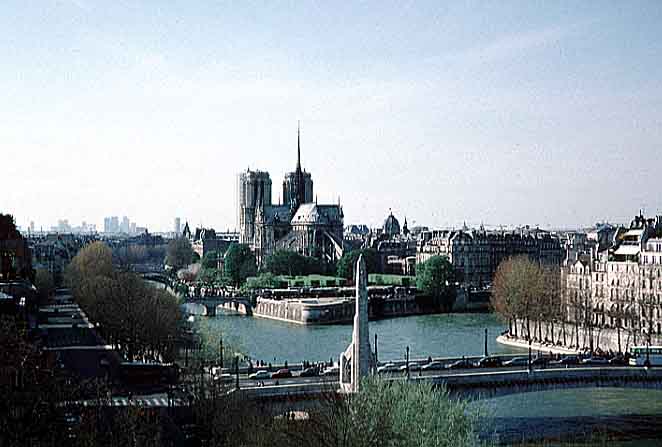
point(543, 113)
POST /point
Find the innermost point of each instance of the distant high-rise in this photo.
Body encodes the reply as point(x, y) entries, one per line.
point(178, 226)
point(114, 224)
point(125, 226)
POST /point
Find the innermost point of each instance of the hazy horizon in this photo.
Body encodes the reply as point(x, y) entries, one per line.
point(506, 113)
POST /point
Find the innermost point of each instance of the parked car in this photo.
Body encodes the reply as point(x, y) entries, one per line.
point(540, 361)
point(389, 367)
point(489, 362)
point(413, 366)
point(619, 360)
point(595, 361)
point(464, 363)
point(569, 360)
point(517, 361)
point(331, 371)
point(433, 366)
point(309, 372)
point(282, 373)
point(260, 375)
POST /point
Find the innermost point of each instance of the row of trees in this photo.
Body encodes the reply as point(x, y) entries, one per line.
point(139, 320)
point(526, 292)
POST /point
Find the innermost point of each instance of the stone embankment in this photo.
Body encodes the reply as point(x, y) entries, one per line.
point(568, 338)
point(335, 310)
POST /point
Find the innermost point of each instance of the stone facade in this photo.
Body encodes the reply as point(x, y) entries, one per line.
point(476, 254)
point(619, 287)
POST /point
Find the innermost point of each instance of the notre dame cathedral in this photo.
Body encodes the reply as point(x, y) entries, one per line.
point(298, 224)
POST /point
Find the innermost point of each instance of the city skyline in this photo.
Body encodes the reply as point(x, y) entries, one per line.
point(517, 113)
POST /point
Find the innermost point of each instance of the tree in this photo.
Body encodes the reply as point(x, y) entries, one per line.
point(239, 263)
point(390, 413)
point(264, 281)
point(436, 277)
point(44, 283)
point(518, 287)
point(179, 253)
point(347, 263)
point(291, 263)
point(210, 260)
point(95, 259)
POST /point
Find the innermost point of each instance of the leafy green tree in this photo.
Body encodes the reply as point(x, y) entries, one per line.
point(290, 263)
point(390, 413)
point(264, 281)
point(347, 263)
point(179, 253)
point(239, 263)
point(210, 260)
point(436, 278)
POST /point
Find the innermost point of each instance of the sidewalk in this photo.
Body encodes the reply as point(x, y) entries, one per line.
point(535, 347)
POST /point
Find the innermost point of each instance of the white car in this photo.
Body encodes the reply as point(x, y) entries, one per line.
point(389, 367)
point(225, 378)
point(331, 371)
point(260, 375)
point(413, 366)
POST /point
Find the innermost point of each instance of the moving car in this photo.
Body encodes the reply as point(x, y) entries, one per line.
point(433, 366)
point(569, 360)
point(389, 367)
point(309, 372)
point(260, 375)
point(595, 361)
point(282, 373)
point(517, 361)
point(540, 361)
point(225, 378)
point(619, 360)
point(331, 371)
point(413, 366)
point(489, 362)
point(464, 363)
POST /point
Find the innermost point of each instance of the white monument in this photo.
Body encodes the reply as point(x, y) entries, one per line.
point(358, 361)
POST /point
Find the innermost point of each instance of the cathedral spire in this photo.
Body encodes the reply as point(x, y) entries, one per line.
point(298, 147)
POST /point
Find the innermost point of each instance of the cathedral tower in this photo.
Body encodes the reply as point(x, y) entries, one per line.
point(297, 185)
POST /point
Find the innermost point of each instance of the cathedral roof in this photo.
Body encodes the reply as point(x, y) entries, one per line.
point(312, 213)
point(276, 214)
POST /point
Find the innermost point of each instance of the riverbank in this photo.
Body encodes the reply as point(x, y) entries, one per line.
point(535, 346)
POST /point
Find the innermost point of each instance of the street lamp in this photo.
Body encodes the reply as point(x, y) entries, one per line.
point(407, 362)
point(236, 370)
point(221, 353)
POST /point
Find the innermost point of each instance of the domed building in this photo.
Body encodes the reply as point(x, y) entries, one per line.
point(391, 226)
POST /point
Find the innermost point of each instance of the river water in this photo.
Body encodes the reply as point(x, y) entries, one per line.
point(633, 416)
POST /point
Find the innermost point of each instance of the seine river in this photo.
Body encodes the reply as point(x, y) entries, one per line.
point(632, 415)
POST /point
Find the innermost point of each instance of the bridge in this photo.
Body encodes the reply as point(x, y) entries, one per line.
point(488, 384)
point(238, 304)
point(157, 277)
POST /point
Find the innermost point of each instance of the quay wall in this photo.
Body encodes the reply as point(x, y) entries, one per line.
point(340, 310)
point(568, 337)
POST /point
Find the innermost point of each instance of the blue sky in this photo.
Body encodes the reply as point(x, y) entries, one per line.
point(541, 113)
